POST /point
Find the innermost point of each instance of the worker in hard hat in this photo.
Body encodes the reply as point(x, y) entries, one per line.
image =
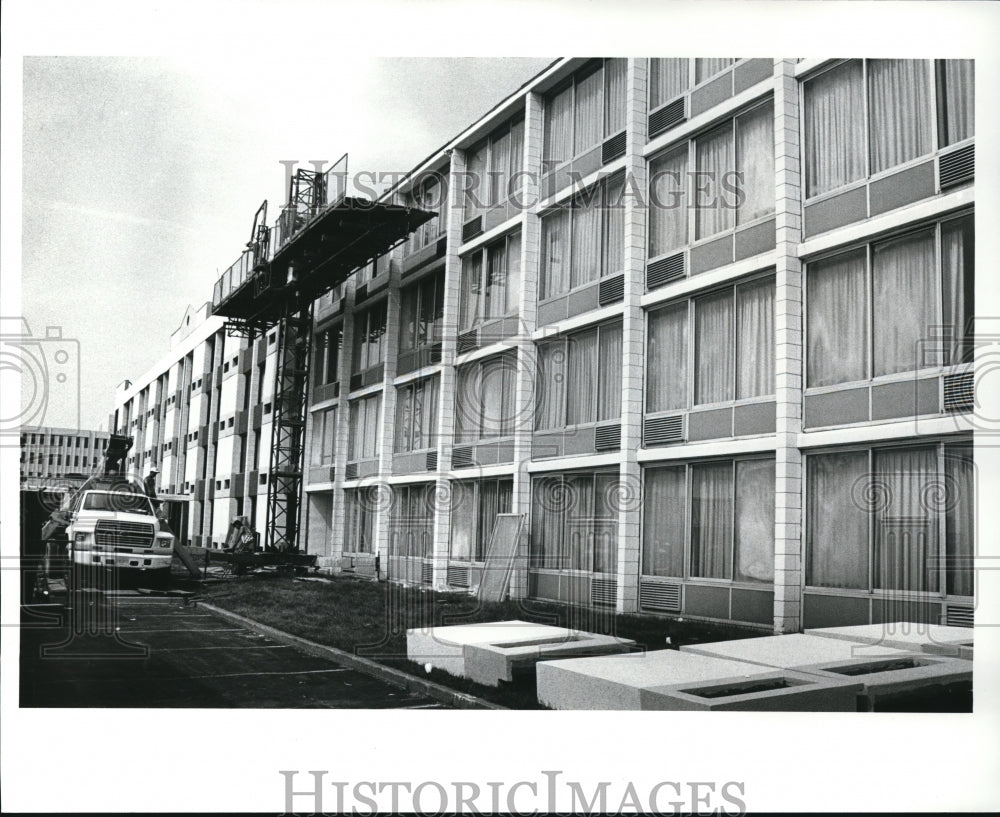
point(149, 483)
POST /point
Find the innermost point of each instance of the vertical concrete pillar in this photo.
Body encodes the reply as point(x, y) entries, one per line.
point(524, 387)
point(342, 432)
point(788, 574)
point(387, 417)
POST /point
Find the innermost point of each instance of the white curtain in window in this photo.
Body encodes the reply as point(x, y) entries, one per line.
point(372, 406)
point(900, 111)
point(582, 376)
point(467, 404)
point(508, 406)
point(404, 416)
point(496, 280)
point(957, 110)
point(580, 510)
point(489, 502)
point(492, 397)
point(837, 514)
point(605, 523)
point(615, 71)
point(755, 339)
point(613, 228)
point(551, 411)
point(516, 177)
point(425, 433)
point(904, 304)
point(408, 319)
point(463, 520)
point(547, 522)
point(960, 518)
point(709, 67)
point(586, 252)
point(664, 506)
point(834, 128)
point(356, 432)
point(668, 79)
point(755, 162)
point(609, 375)
point(714, 359)
point(958, 274)
point(472, 273)
point(512, 298)
point(475, 182)
point(588, 112)
point(666, 366)
point(499, 168)
point(713, 159)
point(559, 127)
point(755, 520)
point(837, 320)
point(712, 520)
point(906, 526)
point(668, 225)
point(555, 258)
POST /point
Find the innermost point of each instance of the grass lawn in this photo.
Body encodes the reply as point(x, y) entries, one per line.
point(371, 618)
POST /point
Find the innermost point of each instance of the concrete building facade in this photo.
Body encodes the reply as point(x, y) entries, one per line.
point(48, 452)
point(705, 323)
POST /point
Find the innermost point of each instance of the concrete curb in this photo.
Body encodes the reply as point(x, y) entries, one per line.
point(459, 700)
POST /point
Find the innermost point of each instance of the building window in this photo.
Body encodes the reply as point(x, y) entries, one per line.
point(416, 415)
point(863, 117)
point(431, 194)
point(411, 525)
point(718, 517)
point(421, 312)
point(484, 398)
point(324, 435)
point(474, 508)
point(587, 109)
point(364, 428)
point(326, 360)
point(732, 183)
point(669, 77)
point(584, 241)
point(491, 282)
point(369, 334)
point(359, 519)
point(580, 378)
point(875, 310)
point(574, 522)
point(708, 68)
point(493, 168)
point(892, 519)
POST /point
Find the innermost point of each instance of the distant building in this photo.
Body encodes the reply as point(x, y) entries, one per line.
point(48, 452)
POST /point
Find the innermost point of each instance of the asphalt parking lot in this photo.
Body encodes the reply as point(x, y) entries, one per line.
point(127, 649)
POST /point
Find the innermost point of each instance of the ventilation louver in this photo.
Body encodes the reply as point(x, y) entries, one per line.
point(660, 596)
point(662, 272)
point(666, 117)
point(663, 430)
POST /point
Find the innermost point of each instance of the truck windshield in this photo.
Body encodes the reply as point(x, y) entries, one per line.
point(124, 502)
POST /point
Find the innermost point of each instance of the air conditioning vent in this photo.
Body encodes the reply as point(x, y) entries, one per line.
point(427, 572)
point(663, 430)
point(361, 293)
point(435, 355)
point(458, 575)
point(957, 167)
point(661, 272)
point(431, 461)
point(603, 592)
point(660, 596)
point(608, 438)
point(351, 471)
point(666, 117)
point(613, 148)
point(472, 228)
point(959, 615)
point(611, 290)
point(461, 457)
point(467, 342)
point(959, 392)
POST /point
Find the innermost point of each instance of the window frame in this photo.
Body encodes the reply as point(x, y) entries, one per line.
point(477, 486)
point(436, 181)
point(474, 196)
point(405, 431)
point(475, 370)
point(324, 430)
point(434, 331)
point(327, 365)
point(477, 314)
point(359, 405)
point(360, 346)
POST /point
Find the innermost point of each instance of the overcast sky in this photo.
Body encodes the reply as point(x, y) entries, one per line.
point(142, 176)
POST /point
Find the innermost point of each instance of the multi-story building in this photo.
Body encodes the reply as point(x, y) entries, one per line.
point(706, 323)
point(48, 452)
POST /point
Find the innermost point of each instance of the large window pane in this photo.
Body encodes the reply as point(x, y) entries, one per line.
point(755, 520)
point(666, 373)
point(559, 126)
point(469, 310)
point(610, 373)
point(555, 254)
point(582, 377)
point(513, 289)
point(713, 319)
point(956, 81)
point(906, 527)
point(588, 110)
point(837, 320)
point(551, 412)
point(664, 504)
point(905, 304)
point(837, 520)
point(586, 253)
point(475, 181)
point(755, 162)
point(709, 67)
point(463, 520)
point(615, 72)
point(516, 177)
point(580, 510)
point(959, 286)
point(404, 417)
point(496, 280)
point(755, 339)
point(499, 168)
point(900, 111)
point(605, 523)
point(668, 224)
point(668, 79)
point(712, 520)
point(960, 518)
point(613, 229)
point(834, 129)
point(492, 397)
point(467, 403)
point(548, 508)
point(713, 159)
